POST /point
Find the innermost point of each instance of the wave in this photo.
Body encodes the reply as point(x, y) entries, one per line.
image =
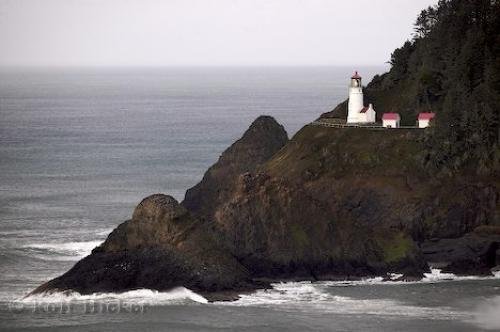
point(436, 276)
point(61, 251)
point(140, 296)
point(433, 277)
point(318, 297)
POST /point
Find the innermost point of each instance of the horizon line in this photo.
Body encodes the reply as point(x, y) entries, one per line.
point(187, 66)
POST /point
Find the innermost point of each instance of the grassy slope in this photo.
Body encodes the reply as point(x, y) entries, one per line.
point(342, 152)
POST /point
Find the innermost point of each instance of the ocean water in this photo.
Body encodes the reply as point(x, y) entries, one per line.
point(79, 148)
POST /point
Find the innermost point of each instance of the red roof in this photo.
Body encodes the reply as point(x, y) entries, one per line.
point(390, 116)
point(426, 116)
point(356, 75)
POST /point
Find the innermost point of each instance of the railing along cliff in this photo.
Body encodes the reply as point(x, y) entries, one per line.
point(354, 125)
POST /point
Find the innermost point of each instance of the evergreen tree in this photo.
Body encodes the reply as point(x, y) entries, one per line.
point(451, 67)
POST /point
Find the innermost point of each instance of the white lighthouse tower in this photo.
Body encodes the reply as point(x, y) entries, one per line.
point(356, 111)
point(355, 99)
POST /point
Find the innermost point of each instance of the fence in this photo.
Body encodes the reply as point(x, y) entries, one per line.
point(355, 125)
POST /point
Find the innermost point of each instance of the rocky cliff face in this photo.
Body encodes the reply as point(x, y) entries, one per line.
point(164, 245)
point(161, 247)
point(262, 140)
point(329, 203)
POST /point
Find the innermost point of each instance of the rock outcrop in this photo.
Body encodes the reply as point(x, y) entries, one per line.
point(164, 245)
point(331, 202)
point(473, 254)
point(260, 142)
point(160, 248)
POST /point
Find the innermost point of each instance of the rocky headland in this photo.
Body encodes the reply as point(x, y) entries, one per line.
point(338, 202)
point(330, 203)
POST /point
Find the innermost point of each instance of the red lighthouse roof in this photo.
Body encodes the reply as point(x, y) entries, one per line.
point(356, 75)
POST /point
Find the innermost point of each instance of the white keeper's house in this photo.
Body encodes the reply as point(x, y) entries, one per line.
point(357, 112)
point(391, 120)
point(424, 119)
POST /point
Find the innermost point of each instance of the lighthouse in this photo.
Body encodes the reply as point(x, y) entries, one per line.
point(356, 111)
point(355, 99)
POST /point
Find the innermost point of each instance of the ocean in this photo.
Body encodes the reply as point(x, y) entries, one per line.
point(79, 148)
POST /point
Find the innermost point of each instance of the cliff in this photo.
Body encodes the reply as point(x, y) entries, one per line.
point(160, 248)
point(330, 203)
point(352, 202)
point(165, 245)
point(262, 140)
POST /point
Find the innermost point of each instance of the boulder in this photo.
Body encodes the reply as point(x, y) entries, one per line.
point(163, 246)
point(471, 254)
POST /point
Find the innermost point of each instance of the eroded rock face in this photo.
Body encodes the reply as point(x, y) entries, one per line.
point(165, 245)
point(471, 254)
point(159, 220)
point(161, 247)
point(461, 208)
point(158, 207)
point(260, 142)
point(277, 228)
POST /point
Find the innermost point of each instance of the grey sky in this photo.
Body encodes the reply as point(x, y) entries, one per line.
point(203, 32)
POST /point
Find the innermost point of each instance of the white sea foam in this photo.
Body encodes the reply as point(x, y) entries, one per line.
point(395, 276)
point(140, 296)
point(319, 298)
point(436, 276)
point(62, 251)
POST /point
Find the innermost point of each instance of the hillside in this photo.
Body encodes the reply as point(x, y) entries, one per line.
point(450, 67)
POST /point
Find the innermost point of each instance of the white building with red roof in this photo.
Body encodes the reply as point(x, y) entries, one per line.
point(424, 119)
point(391, 120)
point(356, 110)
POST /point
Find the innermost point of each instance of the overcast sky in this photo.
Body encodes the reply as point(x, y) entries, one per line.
point(203, 32)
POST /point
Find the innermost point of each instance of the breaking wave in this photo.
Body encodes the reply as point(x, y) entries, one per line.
point(432, 277)
point(436, 275)
point(321, 297)
point(317, 298)
point(61, 251)
point(140, 296)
